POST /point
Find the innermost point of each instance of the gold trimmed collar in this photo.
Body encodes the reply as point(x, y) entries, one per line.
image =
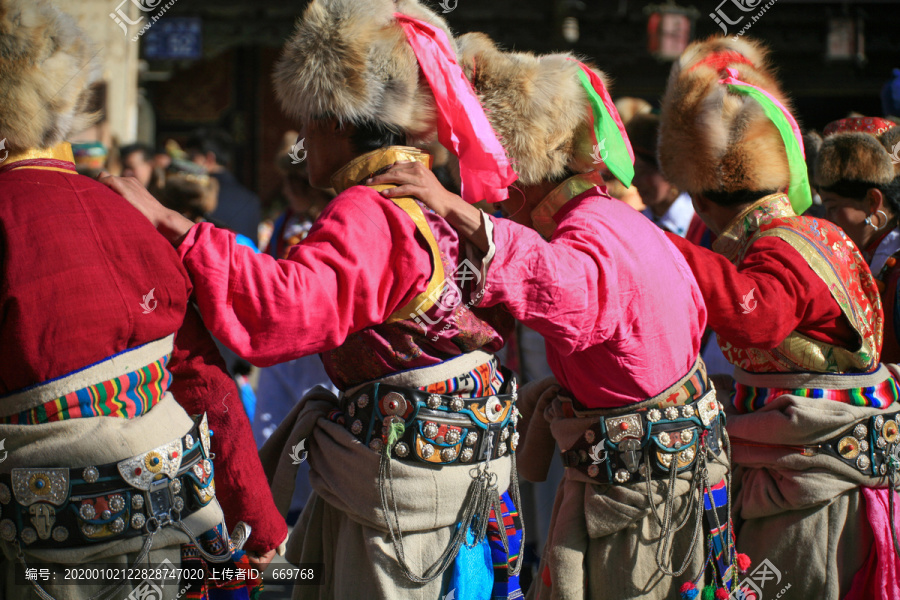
point(61, 151)
point(739, 231)
point(542, 215)
point(362, 167)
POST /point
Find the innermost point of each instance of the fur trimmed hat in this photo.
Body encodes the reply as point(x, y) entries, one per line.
point(715, 140)
point(350, 59)
point(47, 65)
point(537, 106)
point(853, 157)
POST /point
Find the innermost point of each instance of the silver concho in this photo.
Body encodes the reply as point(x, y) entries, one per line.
point(501, 449)
point(137, 521)
point(356, 428)
point(401, 450)
point(117, 526)
point(593, 470)
point(471, 438)
point(363, 401)
point(589, 436)
point(394, 404)
point(7, 530)
point(860, 431)
point(618, 428)
point(87, 511)
point(864, 445)
point(430, 429)
point(671, 413)
point(863, 462)
point(448, 454)
point(137, 502)
point(622, 475)
point(105, 515)
point(5, 496)
point(466, 455)
point(653, 415)
point(514, 442)
point(457, 404)
point(28, 535)
point(376, 445)
point(452, 436)
point(504, 435)
point(90, 474)
point(687, 435)
point(117, 502)
point(88, 530)
point(188, 441)
point(493, 409)
point(427, 451)
point(434, 402)
point(879, 421)
point(880, 442)
point(175, 486)
point(178, 504)
point(664, 438)
point(60, 534)
point(141, 470)
point(44, 485)
point(687, 411)
point(351, 410)
point(687, 455)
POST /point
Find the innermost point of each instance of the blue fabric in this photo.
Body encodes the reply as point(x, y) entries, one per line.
point(243, 240)
point(248, 398)
point(237, 594)
point(473, 573)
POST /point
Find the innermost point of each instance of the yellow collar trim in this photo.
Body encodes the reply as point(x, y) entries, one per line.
point(542, 215)
point(747, 223)
point(362, 167)
point(61, 151)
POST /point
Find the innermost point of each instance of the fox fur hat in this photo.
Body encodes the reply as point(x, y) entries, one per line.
point(350, 59)
point(535, 104)
point(47, 65)
point(714, 140)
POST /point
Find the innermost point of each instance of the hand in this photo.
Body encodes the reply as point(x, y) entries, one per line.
point(415, 179)
point(260, 561)
point(171, 224)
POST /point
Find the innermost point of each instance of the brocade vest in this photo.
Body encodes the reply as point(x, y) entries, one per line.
point(836, 261)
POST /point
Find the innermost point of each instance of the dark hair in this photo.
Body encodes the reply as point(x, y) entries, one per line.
point(369, 135)
point(736, 198)
point(212, 140)
point(130, 149)
point(857, 190)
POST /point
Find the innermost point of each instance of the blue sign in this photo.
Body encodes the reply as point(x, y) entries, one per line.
point(174, 38)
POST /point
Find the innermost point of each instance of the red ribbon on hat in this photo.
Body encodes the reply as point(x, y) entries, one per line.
point(463, 128)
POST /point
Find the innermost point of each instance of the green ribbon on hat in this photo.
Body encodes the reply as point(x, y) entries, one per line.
point(608, 128)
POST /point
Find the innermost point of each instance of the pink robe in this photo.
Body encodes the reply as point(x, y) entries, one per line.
point(362, 260)
point(616, 302)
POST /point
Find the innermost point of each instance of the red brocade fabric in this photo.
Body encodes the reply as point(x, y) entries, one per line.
point(76, 263)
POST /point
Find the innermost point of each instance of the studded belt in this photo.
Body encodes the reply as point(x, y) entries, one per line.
point(437, 429)
point(65, 507)
point(871, 446)
point(649, 441)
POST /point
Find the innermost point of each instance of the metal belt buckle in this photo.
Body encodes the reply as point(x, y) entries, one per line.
point(159, 503)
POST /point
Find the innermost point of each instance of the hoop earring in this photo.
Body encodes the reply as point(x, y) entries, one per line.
point(884, 214)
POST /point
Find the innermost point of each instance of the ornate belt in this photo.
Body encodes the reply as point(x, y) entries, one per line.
point(44, 507)
point(649, 441)
point(438, 429)
point(871, 446)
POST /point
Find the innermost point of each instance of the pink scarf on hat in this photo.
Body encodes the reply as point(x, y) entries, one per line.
point(463, 127)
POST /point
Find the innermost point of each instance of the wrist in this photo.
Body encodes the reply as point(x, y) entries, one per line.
point(174, 226)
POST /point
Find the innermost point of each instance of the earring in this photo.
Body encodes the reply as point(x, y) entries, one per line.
point(884, 214)
point(869, 221)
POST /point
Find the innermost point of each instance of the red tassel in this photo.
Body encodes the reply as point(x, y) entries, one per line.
point(743, 562)
point(722, 594)
point(688, 591)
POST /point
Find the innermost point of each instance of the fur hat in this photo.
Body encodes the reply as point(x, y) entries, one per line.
point(46, 67)
point(536, 105)
point(853, 157)
point(890, 139)
point(350, 59)
point(714, 140)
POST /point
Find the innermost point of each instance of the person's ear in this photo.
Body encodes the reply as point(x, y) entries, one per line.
point(875, 200)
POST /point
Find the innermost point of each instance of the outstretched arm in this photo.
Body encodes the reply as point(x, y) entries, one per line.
point(361, 261)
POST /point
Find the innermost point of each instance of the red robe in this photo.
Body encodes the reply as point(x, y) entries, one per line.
point(76, 261)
